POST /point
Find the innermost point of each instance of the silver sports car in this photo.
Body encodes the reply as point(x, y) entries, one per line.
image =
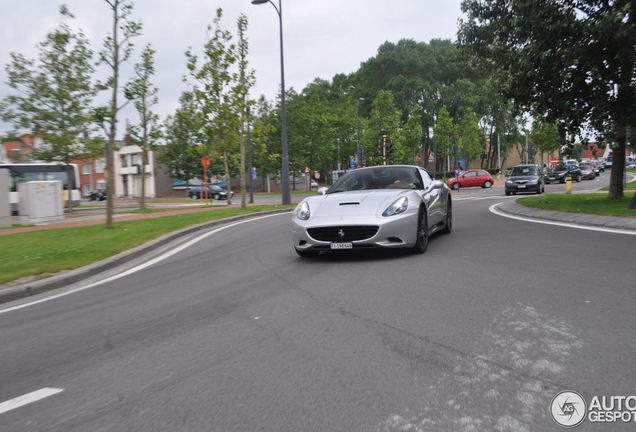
point(388, 206)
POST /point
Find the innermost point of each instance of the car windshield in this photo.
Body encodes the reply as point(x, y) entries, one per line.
point(389, 177)
point(524, 171)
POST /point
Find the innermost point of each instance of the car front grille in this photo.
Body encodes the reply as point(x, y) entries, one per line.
point(343, 233)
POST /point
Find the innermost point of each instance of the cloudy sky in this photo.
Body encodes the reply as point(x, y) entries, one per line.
point(321, 38)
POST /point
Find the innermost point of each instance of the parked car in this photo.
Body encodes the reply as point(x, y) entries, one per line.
point(525, 178)
point(472, 178)
point(587, 171)
point(314, 184)
point(559, 173)
point(214, 192)
point(383, 207)
point(97, 195)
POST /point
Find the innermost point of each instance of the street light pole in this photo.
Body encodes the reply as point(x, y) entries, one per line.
point(249, 155)
point(285, 191)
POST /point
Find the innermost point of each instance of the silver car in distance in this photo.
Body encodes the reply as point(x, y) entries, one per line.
point(387, 206)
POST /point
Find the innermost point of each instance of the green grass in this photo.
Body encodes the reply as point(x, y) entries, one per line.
point(592, 203)
point(50, 251)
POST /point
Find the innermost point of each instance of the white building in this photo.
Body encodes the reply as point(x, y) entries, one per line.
point(128, 160)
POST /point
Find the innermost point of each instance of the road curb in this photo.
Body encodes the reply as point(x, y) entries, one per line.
point(516, 209)
point(82, 273)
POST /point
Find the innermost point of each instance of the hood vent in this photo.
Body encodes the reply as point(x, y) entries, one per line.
point(349, 203)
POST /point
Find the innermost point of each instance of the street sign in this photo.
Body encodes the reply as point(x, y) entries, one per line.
point(554, 161)
point(205, 160)
point(317, 175)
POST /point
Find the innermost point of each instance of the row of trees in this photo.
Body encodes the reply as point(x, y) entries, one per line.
point(55, 94)
point(438, 98)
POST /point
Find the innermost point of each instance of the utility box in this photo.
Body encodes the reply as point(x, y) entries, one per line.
point(41, 201)
point(5, 207)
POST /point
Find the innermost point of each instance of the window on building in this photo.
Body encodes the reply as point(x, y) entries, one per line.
point(100, 166)
point(86, 189)
point(86, 169)
point(124, 161)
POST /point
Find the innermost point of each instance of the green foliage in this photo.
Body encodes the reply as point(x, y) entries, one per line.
point(54, 95)
point(571, 62)
point(544, 136)
point(471, 138)
point(51, 251)
point(143, 93)
point(445, 132)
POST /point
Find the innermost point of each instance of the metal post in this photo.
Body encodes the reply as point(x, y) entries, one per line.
point(285, 191)
point(249, 156)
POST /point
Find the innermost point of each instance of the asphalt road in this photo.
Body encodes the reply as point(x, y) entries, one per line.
point(237, 333)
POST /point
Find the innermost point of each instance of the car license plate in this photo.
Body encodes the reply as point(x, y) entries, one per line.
point(347, 245)
point(521, 186)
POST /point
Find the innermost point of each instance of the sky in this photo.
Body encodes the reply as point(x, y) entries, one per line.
point(321, 38)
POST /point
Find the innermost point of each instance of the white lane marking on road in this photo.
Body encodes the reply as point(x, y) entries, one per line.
point(28, 398)
point(493, 209)
point(141, 266)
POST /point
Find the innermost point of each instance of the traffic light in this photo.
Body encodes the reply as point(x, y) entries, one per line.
point(388, 147)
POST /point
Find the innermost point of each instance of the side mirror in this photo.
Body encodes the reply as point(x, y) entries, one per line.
point(437, 184)
point(322, 190)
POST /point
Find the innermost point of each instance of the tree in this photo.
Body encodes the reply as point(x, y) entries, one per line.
point(117, 50)
point(144, 95)
point(411, 138)
point(471, 137)
point(543, 135)
point(385, 120)
point(54, 97)
point(182, 152)
point(244, 82)
point(214, 95)
point(570, 60)
point(445, 133)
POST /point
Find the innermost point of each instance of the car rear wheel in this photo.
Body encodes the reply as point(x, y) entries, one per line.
point(421, 242)
point(194, 196)
point(307, 253)
point(578, 179)
point(487, 184)
point(216, 197)
point(507, 193)
point(539, 190)
point(456, 186)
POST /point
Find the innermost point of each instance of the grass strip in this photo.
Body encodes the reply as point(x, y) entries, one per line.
point(50, 251)
point(592, 203)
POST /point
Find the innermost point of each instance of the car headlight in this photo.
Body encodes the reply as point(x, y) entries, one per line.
point(399, 206)
point(302, 211)
point(509, 182)
point(532, 182)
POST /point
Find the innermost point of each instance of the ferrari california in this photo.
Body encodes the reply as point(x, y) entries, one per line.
point(388, 206)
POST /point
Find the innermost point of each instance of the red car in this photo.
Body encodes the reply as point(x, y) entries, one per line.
point(472, 178)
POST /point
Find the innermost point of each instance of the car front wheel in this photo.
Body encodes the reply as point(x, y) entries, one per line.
point(455, 186)
point(487, 184)
point(448, 226)
point(421, 242)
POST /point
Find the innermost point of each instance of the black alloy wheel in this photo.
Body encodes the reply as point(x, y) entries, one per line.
point(448, 225)
point(421, 242)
